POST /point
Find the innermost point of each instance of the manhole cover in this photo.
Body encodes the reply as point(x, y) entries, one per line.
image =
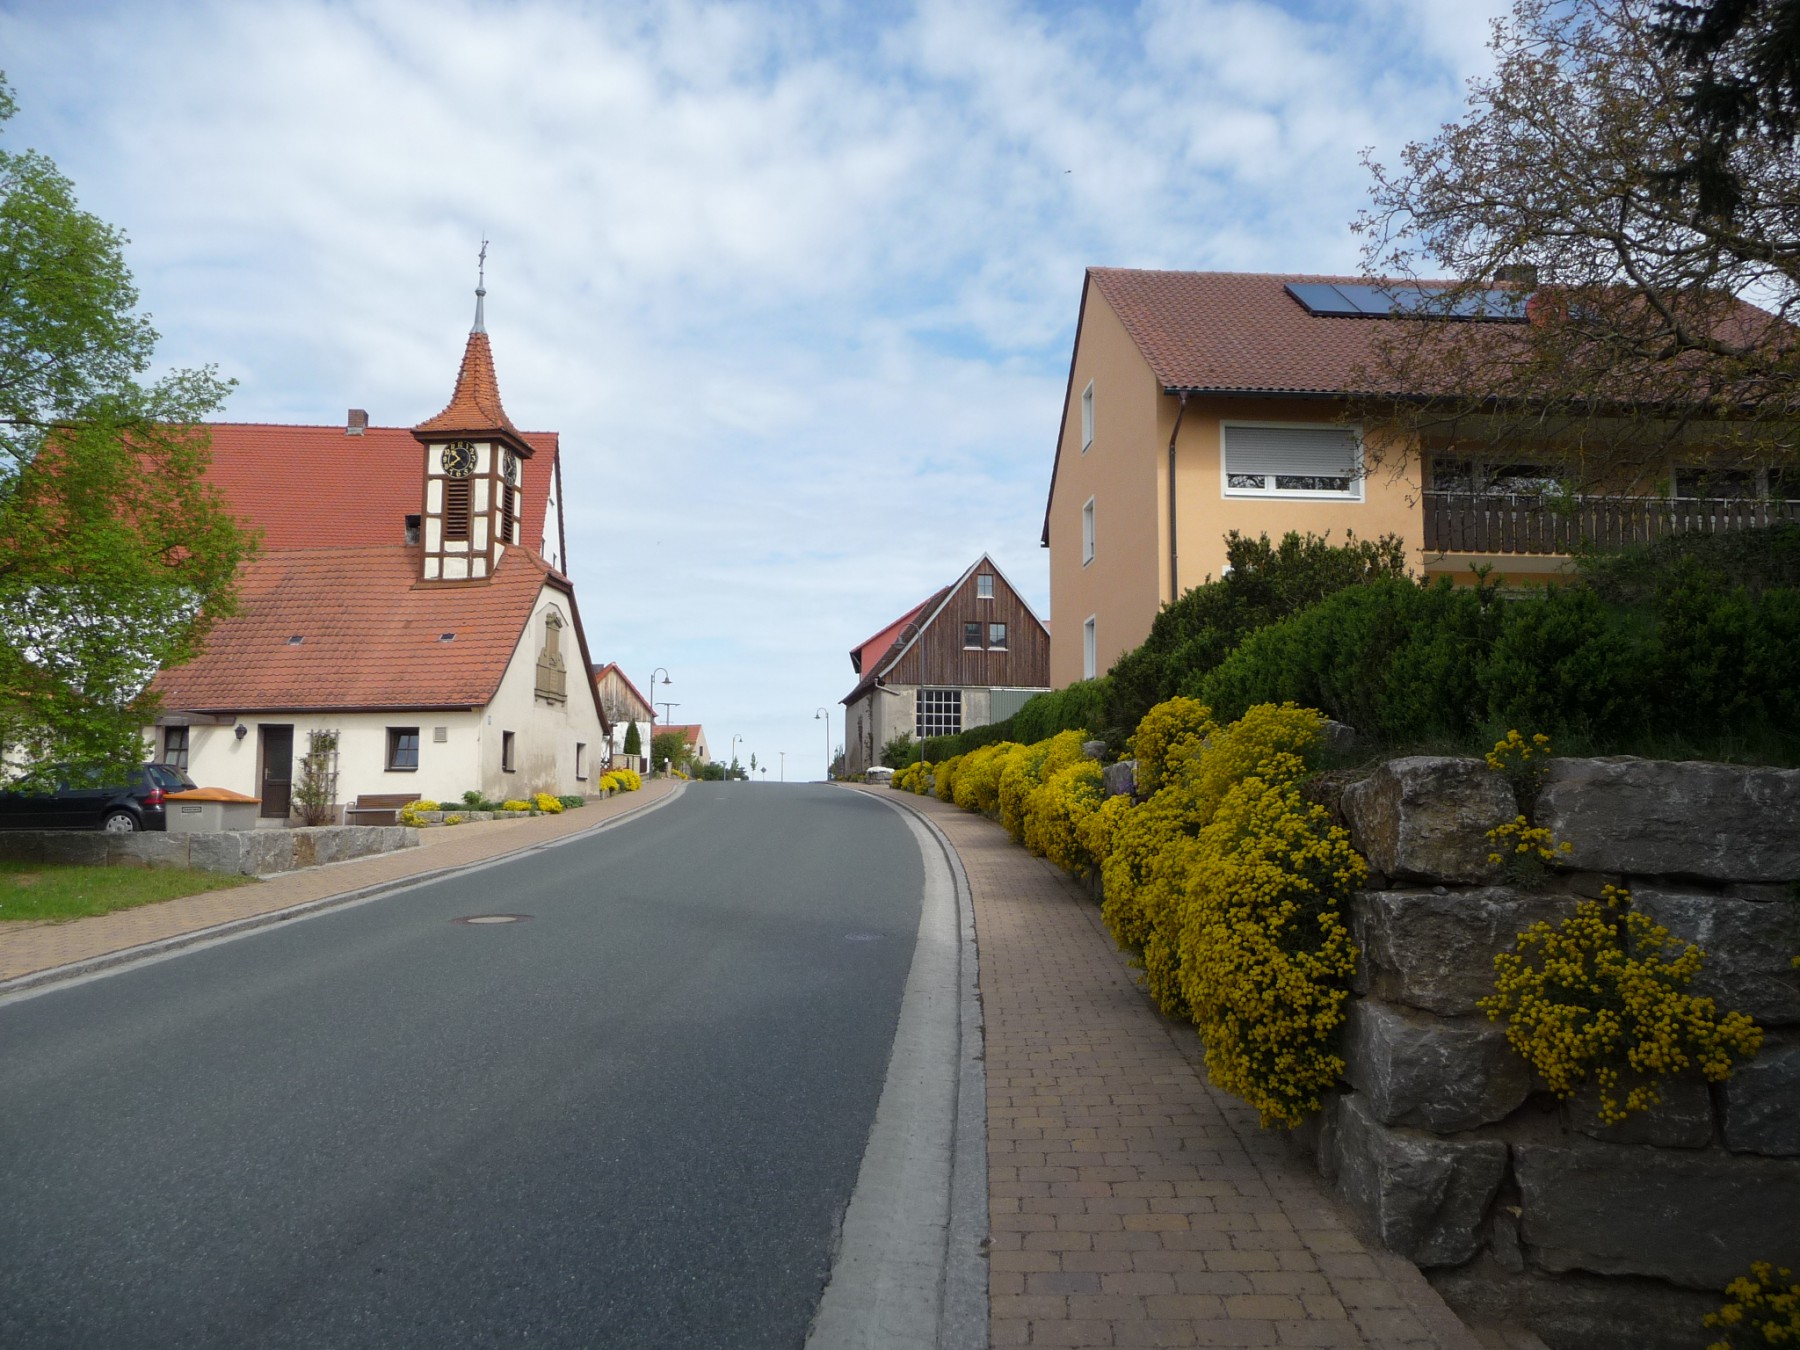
point(493, 918)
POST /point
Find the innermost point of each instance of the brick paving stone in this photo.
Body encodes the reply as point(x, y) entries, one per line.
point(1142, 1206)
point(30, 948)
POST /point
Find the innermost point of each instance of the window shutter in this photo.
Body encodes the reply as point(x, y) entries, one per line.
point(1322, 452)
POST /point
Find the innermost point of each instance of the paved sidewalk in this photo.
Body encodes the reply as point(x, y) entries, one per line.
point(1131, 1203)
point(28, 949)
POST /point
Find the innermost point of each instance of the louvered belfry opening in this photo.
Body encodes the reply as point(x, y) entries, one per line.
point(509, 513)
point(456, 508)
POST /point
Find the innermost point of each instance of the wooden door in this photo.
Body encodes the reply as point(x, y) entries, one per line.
point(277, 771)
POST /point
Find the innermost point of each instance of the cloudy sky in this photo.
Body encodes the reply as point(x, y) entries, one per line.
point(796, 282)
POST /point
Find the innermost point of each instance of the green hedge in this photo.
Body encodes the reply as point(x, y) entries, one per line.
point(1265, 584)
point(1079, 707)
point(1695, 667)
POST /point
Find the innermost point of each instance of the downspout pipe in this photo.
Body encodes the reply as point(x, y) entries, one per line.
point(1174, 552)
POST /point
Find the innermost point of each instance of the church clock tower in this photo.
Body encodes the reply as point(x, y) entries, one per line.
point(474, 464)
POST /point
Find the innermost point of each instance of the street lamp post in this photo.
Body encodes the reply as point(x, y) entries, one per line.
point(823, 716)
point(734, 740)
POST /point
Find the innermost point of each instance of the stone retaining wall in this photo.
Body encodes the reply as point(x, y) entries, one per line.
point(1521, 1207)
point(251, 853)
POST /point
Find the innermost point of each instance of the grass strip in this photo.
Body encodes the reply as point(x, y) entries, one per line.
point(59, 891)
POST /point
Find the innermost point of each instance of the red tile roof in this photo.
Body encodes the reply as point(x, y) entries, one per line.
point(690, 731)
point(316, 487)
point(371, 634)
point(1236, 332)
point(475, 403)
point(867, 654)
point(1242, 333)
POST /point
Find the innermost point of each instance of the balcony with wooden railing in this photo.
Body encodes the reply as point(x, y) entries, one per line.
point(1531, 523)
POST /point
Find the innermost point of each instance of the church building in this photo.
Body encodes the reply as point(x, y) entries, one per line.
point(409, 616)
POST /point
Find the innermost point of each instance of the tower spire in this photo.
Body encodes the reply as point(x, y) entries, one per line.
point(480, 288)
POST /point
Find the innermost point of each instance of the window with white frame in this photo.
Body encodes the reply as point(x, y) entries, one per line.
point(939, 712)
point(1292, 459)
point(175, 747)
point(972, 634)
point(1088, 649)
point(1087, 417)
point(984, 585)
point(997, 636)
point(1087, 532)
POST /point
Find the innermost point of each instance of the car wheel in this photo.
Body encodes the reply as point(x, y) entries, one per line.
point(120, 822)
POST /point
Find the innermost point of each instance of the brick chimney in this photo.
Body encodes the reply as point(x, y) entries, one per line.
point(357, 423)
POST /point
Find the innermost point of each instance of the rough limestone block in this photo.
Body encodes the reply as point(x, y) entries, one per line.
point(1683, 1120)
point(1431, 1073)
point(1336, 736)
point(148, 849)
point(1580, 1312)
point(267, 851)
point(1425, 1197)
point(1437, 951)
point(1426, 818)
point(80, 849)
point(1093, 749)
point(1721, 822)
point(221, 851)
point(1121, 778)
point(1762, 1102)
point(1695, 1218)
point(1749, 944)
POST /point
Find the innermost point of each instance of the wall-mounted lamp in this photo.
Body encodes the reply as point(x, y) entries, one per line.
point(242, 731)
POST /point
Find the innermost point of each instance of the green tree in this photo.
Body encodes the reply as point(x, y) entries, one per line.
point(1579, 177)
point(116, 556)
point(634, 743)
point(670, 748)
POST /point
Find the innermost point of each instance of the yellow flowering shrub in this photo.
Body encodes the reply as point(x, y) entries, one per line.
point(944, 788)
point(1270, 741)
point(621, 780)
point(410, 813)
point(515, 806)
point(1145, 876)
point(911, 778)
point(1026, 769)
point(1056, 809)
point(1761, 1308)
point(1521, 761)
point(1602, 996)
point(1177, 725)
point(1098, 827)
point(550, 806)
point(1526, 851)
point(454, 818)
point(978, 778)
point(1266, 957)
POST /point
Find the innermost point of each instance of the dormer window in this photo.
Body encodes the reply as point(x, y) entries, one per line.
point(446, 637)
point(296, 640)
point(412, 531)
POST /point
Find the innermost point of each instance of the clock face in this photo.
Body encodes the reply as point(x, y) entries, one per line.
point(459, 459)
point(510, 465)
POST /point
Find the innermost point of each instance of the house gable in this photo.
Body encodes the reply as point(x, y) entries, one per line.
point(939, 652)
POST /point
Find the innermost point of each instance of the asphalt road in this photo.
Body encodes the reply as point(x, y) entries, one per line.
point(633, 1120)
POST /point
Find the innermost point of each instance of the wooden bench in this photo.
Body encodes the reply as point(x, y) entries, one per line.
point(377, 808)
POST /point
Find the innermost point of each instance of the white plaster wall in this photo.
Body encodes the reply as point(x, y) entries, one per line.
point(217, 758)
point(545, 732)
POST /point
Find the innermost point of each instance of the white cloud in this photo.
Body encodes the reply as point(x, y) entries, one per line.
point(796, 282)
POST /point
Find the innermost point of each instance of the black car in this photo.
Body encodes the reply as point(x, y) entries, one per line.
point(84, 799)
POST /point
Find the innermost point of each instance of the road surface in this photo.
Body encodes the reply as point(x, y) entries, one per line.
point(633, 1118)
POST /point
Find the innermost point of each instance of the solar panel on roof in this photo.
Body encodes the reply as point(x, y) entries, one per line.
point(1321, 298)
point(1363, 301)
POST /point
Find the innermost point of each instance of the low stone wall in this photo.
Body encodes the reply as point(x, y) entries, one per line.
point(251, 853)
point(1518, 1206)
